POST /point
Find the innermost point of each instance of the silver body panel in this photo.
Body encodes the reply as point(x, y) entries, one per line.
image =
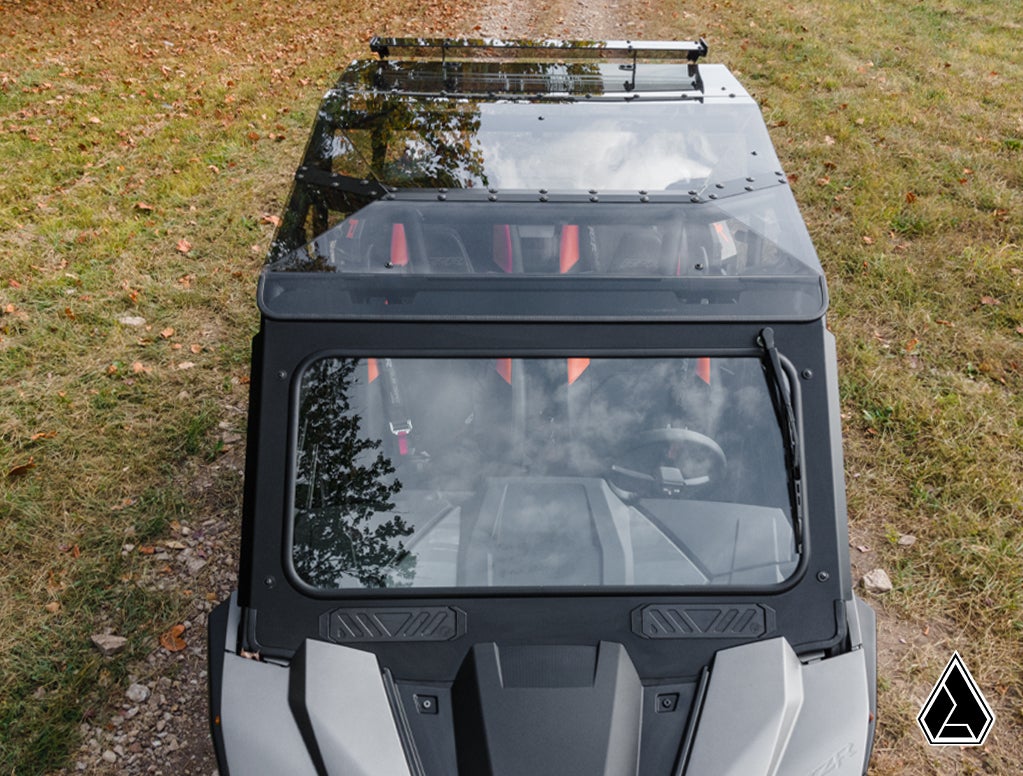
point(768, 714)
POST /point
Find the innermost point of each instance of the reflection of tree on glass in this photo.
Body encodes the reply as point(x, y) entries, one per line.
point(343, 489)
point(409, 147)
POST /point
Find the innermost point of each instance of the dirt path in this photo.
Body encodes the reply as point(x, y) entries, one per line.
point(160, 724)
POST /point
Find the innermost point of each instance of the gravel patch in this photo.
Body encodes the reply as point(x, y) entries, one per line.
point(160, 722)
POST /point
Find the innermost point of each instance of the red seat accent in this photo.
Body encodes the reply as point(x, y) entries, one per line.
point(504, 368)
point(399, 246)
point(703, 369)
point(569, 247)
point(576, 366)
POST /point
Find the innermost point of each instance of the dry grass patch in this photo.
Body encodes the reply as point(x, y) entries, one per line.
point(143, 149)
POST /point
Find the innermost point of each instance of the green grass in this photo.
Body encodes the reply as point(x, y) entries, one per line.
point(124, 131)
point(141, 151)
point(898, 123)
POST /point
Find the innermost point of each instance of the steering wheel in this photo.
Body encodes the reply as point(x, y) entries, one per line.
point(688, 459)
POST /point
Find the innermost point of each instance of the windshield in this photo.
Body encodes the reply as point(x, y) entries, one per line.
point(540, 472)
point(757, 235)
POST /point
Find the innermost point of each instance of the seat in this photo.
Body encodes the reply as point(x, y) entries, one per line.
point(445, 251)
point(639, 252)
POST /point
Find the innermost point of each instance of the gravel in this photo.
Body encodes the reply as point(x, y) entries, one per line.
point(159, 723)
point(877, 581)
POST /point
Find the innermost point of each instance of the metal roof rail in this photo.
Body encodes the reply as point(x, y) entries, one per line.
point(494, 48)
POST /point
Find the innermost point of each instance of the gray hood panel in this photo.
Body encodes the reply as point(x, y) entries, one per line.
point(791, 719)
point(765, 713)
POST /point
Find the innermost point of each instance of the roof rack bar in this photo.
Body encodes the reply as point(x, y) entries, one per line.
point(486, 48)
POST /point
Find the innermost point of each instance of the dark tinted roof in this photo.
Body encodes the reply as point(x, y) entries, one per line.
point(500, 159)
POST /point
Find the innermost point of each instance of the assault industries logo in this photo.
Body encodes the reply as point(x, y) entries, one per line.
point(956, 712)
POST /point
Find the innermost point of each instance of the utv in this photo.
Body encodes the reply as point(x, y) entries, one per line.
point(544, 469)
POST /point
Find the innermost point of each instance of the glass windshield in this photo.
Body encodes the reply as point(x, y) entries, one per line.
point(542, 472)
point(760, 234)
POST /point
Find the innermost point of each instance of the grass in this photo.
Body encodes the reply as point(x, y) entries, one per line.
point(143, 150)
point(898, 124)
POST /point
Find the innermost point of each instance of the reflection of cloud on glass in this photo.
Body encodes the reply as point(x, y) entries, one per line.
point(544, 535)
point(602, 155)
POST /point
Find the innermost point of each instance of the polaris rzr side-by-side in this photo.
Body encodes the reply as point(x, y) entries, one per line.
point(544, 469)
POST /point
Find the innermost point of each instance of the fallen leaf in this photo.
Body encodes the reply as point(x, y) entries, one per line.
point(167, 333)
point(22, 469)
point(910, 197)
point(912, 344)
point(186, 365)
point(147, 549)
point(868, 240)
point(139, 368)
point(990, 300)
point(172, 641)
point(53, 607)
point(43, 435)
point(184, 246)
point(273, 220)
point(196, 349)
point(143, 206)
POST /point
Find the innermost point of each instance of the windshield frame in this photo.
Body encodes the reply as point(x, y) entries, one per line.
point(797, 513)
